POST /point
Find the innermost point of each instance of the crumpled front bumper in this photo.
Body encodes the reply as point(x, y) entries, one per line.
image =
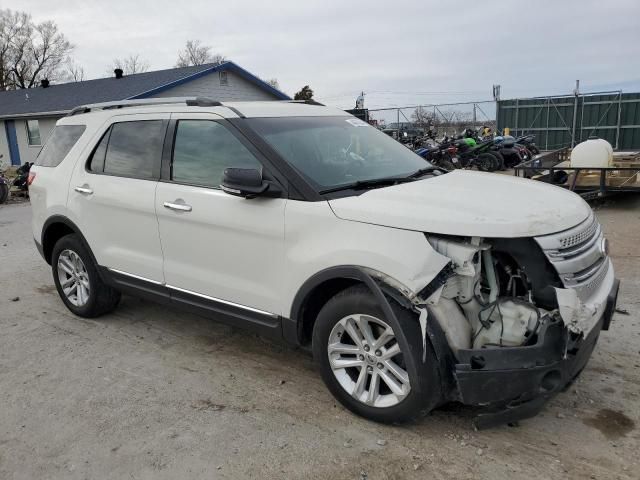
point(514, 383)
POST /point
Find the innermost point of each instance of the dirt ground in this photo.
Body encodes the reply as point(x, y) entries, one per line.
point(152, 393)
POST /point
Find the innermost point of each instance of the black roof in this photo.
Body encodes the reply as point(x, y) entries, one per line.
point(64, 97)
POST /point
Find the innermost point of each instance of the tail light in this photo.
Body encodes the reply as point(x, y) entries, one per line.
point(31, 178)
point(452, 150)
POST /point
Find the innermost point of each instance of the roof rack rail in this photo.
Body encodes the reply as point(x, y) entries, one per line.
point(308, 102)
point(190, 101)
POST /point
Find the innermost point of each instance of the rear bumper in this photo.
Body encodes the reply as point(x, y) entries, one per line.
point(515, 383)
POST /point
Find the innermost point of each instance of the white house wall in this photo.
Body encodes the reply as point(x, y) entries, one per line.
point(237, 89)
point(29, 153)
point(4, 147)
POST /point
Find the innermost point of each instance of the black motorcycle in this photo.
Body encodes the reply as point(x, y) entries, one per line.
point(19, 185)
point(529, 142)
point(4, 187)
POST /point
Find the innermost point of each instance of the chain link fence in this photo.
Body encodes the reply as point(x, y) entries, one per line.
point(444, 118)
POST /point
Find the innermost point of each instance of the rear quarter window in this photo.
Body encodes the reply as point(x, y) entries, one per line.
point(60, 142)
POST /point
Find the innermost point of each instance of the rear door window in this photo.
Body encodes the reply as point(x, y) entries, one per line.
point(135, 148)
point(96, 164)
point(60, 142)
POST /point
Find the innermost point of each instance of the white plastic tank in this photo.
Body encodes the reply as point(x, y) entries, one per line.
point(593, 153)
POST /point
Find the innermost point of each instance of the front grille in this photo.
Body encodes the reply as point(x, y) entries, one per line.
point(578, 257)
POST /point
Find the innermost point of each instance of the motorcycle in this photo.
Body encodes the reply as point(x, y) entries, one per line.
point(513, 151)
point(19, 185)
point(528, 141)
point(4, 187)
point(464, 151)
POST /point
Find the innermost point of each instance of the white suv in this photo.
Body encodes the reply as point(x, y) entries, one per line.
point(411, 285)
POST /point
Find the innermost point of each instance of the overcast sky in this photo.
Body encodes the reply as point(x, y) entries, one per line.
point(399, 53)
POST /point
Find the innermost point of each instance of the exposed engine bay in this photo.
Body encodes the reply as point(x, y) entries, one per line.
point(494, 293)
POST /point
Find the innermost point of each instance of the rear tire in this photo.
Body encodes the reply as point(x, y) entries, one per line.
point(499, 161)
point(396, 384)
point(77, 279)
point(485, 162)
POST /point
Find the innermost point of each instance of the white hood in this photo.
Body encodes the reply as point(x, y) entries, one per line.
point(468, 203)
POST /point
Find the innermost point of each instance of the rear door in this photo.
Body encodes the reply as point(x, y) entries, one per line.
point(112, 195)
point(223, 251)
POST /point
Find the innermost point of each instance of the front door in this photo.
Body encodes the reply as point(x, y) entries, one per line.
point(220, 248)
point(112, 195)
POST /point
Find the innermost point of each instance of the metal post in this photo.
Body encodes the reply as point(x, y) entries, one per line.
point(398, 120)
point(576, 93)
point(546, 137)
point(582, 119)
point(474, 116)
point(496, 98)
point(515, 127)
point(619, 118)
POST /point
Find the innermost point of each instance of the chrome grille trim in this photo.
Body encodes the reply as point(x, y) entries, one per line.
point(583, 246)
point(580, 237)
point(577, 256)
point(586, 288)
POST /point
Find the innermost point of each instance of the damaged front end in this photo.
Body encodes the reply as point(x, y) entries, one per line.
point(520, 316)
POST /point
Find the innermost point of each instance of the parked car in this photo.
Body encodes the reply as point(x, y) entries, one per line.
point(412, 287)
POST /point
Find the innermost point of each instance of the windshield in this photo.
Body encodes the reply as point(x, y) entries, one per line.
point(335, 151)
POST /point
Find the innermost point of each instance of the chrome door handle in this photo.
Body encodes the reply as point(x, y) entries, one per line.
point(182, 207)
point(86, 190)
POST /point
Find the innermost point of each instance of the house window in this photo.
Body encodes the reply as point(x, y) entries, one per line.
point(224, 80)
point(33, 133)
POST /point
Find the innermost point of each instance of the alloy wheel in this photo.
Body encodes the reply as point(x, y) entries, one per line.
point(73, 278)
point(367, 361)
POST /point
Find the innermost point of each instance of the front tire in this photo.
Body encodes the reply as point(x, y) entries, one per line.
point(77, 280)
point(372, 364)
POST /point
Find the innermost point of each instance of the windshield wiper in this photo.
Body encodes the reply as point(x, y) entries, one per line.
point(364, 184)
point(422, 171)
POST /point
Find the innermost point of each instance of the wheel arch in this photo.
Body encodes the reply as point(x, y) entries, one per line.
point(317, 290)
point(56, 227)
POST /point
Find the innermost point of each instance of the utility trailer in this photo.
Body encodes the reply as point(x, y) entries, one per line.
point(589, 182)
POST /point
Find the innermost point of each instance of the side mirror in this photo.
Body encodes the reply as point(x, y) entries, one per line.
point(246, 182)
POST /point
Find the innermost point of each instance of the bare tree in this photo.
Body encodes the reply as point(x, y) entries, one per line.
point(195, 53)
point(30, 52)
point(12, 26)
point(274, 83)
point(423, 117)
point(73, 72)
point(130, 65)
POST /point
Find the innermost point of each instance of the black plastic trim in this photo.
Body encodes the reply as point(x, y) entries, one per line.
point(135, 286)
point(514, 383)
point(65, 221)
point(236, 111)
point(39, 247)
point(263, 324)
point(612, 300)
point(299, 188)
point(352, 272)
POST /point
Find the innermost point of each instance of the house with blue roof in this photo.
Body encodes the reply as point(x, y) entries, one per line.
point(28, 116)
